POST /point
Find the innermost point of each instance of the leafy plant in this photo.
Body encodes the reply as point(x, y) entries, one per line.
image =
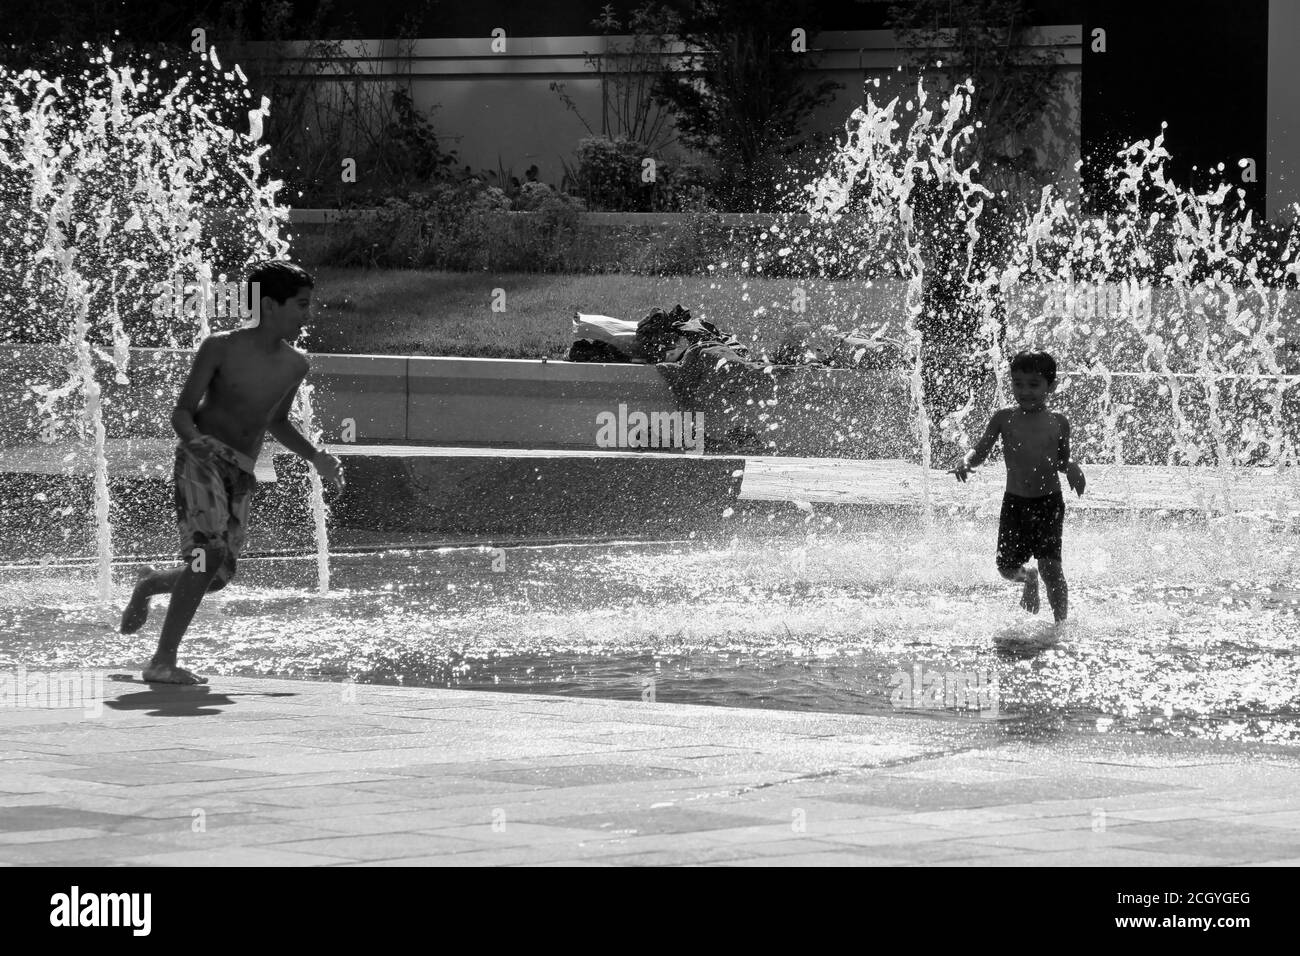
point(629, 108)
point(329, 105)
point(608, 176)
point(1016, 82)
point(743, 94)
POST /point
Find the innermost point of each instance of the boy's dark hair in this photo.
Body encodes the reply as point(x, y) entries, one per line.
point(1035, 362)
point(280, 279)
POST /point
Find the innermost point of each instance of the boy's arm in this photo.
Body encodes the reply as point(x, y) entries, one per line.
point(975, 457)
point(282, 430)
point(1073, 473)
point(206, 362)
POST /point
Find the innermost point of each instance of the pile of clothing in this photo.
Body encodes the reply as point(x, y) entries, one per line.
point(674, 336)
point(659, 337)
point(707, 369)
point(710, 371)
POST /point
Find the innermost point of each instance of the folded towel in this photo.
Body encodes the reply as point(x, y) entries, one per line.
point(617, 333)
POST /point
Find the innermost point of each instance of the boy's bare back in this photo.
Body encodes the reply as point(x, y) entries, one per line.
point(237, 388)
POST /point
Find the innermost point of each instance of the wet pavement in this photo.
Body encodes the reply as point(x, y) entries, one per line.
point(265, 772)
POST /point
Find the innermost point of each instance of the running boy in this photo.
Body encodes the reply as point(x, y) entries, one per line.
point(241, 386)
point(1036, 444)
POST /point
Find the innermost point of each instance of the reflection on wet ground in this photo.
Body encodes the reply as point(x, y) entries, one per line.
point(1178, 627)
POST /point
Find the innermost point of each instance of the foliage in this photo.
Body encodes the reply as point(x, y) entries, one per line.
point(743, 94)
point(608, 176)
point(459, 225)
point(328, 106)
point(1015, 83)
point(628, 74)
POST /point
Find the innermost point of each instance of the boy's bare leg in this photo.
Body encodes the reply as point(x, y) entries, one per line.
point(1058, 594)
point(1029, 597)
point(149, 583)
point(187, 594)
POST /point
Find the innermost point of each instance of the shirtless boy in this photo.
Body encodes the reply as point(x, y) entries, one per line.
point(1036, 444)
point(241, 386)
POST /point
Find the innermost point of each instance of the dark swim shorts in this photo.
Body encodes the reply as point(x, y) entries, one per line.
point(1030, 528)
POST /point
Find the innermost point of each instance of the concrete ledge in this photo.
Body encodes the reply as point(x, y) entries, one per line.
point(805, 411)
point(384, 398)
point(492, 495)
point(534, 404)
point(44, 515)
point(369, 392)
point(650, 496)
point(393, 489)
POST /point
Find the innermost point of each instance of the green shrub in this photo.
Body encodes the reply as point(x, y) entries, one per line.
point(608, 178)
point(461, 226)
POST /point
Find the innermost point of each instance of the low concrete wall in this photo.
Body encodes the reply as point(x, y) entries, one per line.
point(375, 399)
point(485, 495)
point(524, 403)
point(378, 399)
point(370, 392)
point(518, 402)
point(801, 411)
point(54, 515)
point(643, 496)
point(792, 411)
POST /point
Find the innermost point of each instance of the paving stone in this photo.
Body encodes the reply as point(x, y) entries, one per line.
point(375, 846)
point(52, 816)
point(412, 777)
point(664, 820)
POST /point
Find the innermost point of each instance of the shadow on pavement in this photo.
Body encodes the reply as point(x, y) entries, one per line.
point(175, 700)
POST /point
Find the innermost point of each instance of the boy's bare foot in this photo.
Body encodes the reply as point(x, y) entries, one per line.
point(171, 674)
point(137, 609)
point(1029, 600)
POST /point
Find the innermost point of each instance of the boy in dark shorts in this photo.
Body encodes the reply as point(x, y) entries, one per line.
point(1036, 444)
point(241, 386)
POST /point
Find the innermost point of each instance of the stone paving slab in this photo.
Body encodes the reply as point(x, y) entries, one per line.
point(316, 776)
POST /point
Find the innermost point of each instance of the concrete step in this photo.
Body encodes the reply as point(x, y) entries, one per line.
point(459, 493)
point(47, 496)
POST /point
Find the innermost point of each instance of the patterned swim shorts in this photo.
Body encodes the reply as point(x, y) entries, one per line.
point(212, 499)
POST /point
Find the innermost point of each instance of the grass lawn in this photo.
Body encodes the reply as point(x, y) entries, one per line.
point(413, 312)
point(417, 312)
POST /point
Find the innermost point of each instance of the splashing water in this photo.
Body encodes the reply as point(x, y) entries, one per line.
point(303, 408)
point(1167, 314)
point(1200, 312)
point(889, 171)
point(1189, 634)
point(120, 188)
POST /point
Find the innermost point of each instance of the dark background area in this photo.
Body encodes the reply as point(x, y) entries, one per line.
point(162, 20)
point(1199, 65)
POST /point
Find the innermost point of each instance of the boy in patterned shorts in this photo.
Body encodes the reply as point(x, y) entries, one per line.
point(241, 386)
